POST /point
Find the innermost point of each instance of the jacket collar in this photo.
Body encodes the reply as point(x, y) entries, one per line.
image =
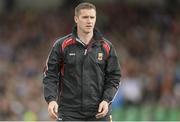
point(97, 36)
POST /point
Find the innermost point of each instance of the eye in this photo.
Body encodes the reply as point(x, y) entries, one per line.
point(92, 17)
point(85, 17)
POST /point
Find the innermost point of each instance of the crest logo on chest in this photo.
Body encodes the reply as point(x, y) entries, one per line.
point(100, 56)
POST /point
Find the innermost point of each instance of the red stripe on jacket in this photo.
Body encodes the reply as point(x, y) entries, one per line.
point(107, 48)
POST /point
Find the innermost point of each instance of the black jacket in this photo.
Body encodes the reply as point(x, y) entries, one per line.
point(80, 76)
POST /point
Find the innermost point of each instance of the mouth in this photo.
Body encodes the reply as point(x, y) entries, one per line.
point(89, 26)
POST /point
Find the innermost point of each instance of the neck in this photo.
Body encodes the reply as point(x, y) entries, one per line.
point(85, 37)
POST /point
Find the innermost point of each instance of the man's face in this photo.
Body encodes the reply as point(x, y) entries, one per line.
point(86, 20)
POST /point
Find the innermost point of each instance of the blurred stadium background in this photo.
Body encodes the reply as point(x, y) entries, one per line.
point(145, 33)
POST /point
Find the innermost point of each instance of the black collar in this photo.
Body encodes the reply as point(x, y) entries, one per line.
point(97, 36)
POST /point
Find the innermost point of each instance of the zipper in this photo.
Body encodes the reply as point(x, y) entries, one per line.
point(82, 77)
point(85, 51)
point(86, 47)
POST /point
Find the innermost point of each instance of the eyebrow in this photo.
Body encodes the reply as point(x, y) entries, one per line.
point(86, 16)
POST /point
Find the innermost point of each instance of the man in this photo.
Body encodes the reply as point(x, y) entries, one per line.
point(82, 73)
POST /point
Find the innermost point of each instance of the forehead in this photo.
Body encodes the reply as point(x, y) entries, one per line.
point(85, 12)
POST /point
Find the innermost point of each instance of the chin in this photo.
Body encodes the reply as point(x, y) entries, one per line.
point(88, 31)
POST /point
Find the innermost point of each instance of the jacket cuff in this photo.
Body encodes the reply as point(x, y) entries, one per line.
point(50, 99)
point(108, 101)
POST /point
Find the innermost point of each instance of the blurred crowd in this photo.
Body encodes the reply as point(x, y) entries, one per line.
point(146, 40)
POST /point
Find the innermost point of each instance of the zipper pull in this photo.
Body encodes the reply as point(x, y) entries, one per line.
point(85, 51)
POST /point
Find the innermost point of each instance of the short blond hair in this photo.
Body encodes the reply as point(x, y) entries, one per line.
point(84, 5)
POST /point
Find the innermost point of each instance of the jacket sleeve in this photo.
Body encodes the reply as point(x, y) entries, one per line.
point(112, 76)
point(51, 74)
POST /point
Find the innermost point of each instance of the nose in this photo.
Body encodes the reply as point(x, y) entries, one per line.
point(89, 20)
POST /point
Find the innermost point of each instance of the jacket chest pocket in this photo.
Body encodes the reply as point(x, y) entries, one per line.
point(70, 58)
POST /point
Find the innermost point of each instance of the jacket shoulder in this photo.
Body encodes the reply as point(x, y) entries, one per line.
point(107, 45)
point(106, 41)
point(61, 40)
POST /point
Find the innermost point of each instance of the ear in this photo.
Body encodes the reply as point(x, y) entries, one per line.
point(75, 19)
